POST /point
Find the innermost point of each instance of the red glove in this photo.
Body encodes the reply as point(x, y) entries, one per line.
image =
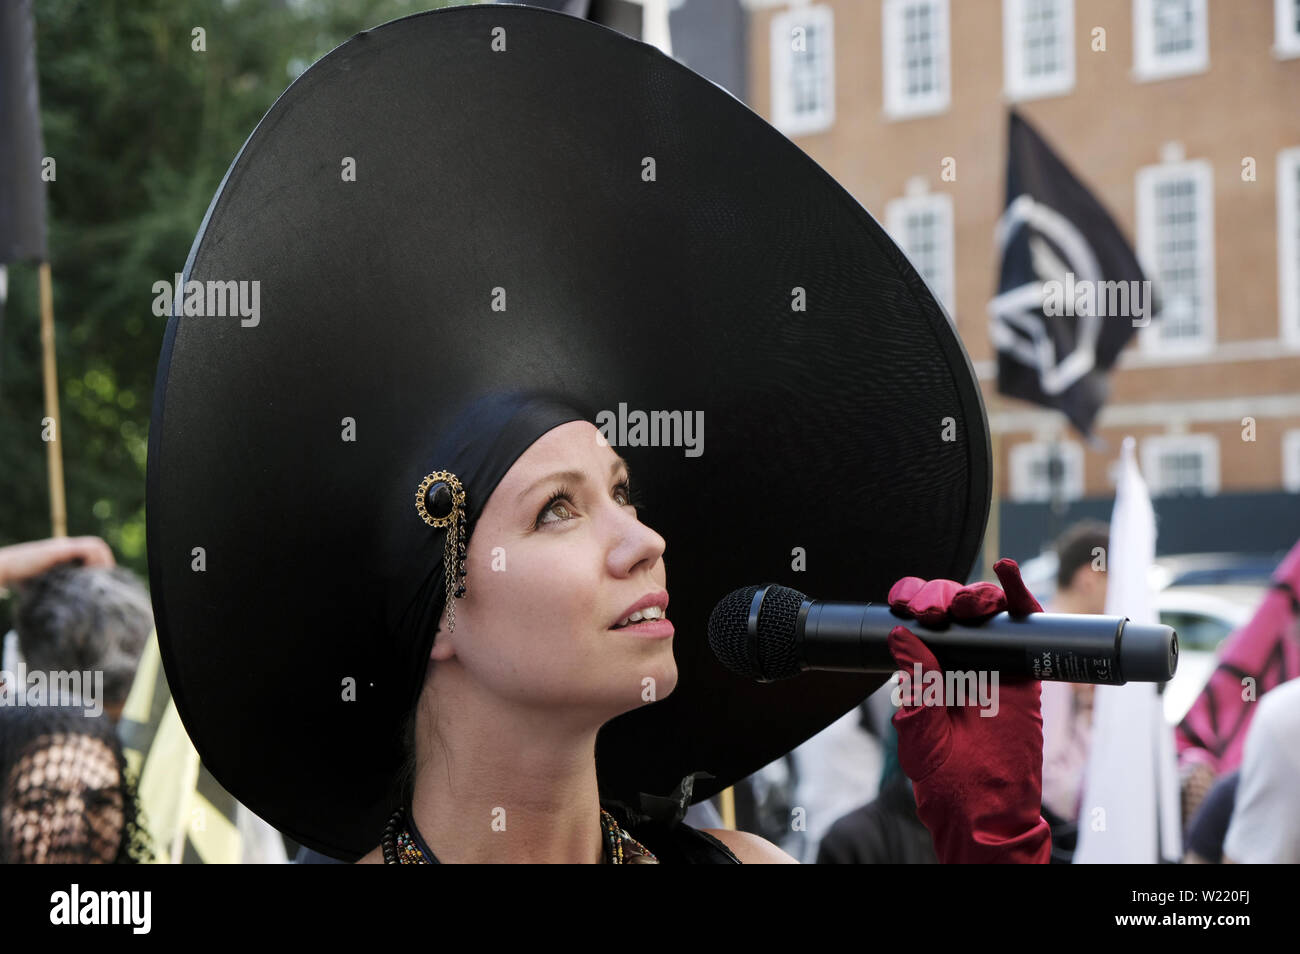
point(978, 779)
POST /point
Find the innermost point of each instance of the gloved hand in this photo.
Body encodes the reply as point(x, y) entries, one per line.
point(978, 779)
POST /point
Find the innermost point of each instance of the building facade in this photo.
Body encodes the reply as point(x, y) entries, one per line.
point(1183, 118)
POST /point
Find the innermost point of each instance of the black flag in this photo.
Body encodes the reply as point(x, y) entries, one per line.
point(1071, 293)
point(22, 191)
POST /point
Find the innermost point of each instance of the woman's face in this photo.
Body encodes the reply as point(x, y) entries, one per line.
point(548, 577)
point(63, 803)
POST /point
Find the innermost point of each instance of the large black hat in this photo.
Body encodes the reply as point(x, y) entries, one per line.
point(497, 197)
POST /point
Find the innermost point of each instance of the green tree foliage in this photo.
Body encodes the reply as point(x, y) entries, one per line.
point(142, 127)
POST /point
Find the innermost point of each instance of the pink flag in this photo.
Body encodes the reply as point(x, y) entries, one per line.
point(1265, 650)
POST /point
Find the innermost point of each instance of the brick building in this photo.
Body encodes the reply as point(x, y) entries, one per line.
point(1183, 117)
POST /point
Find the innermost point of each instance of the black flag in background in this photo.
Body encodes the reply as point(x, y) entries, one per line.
point(22, 192)
point(1070, 293)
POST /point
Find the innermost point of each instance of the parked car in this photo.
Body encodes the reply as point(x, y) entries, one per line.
point(1203, 596)
point(1203, 617)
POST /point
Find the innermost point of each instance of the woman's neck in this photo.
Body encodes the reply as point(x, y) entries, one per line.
point(503, 784)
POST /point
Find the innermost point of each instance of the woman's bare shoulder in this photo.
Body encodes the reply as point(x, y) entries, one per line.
point(751, 849)
point(375, 857)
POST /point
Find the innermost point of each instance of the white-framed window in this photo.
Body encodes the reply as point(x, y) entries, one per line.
point(1175, 225)
point(1170, 38)
point(1288, 244)
point(1291, 461)
point(1286, 28)
point(916, 57)
point(922, 226)
point(803, 70)
point(1031, 470)
point(1038, 47)
point(1181, 464)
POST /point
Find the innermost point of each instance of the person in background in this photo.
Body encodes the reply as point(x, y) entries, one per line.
point(21, 561)
point(834, 772)
point(1209, 826)
point(1067, 707)
point(1211, 737)
point(886, 831)
point(1265, 826)
point(65, 794)
point(91, 618)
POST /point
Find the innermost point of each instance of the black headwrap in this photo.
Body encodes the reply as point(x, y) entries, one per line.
point(479, 448)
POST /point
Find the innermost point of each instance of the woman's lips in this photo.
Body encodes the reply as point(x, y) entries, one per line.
point(647, 629)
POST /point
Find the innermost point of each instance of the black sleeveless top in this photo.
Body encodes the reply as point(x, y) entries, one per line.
point(680, 844)
point(656, 822)
point(676, 844)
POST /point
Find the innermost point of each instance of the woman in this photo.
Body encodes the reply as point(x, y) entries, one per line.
point(544, 647)
point(506, 723)
point(66, 795)
point(468, 315)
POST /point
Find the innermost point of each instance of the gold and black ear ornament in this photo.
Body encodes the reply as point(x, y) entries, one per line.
point(440, 501)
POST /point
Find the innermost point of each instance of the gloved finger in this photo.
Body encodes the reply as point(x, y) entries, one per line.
point(908, 650)
point(930, 604)
point(1020, 602)
point(902, 592)
point(924, 732)
point(977, 602)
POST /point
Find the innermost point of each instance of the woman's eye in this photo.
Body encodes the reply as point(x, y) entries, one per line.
point(104, 798)
point(631, 498)
point(558, 504)
point(624, 490)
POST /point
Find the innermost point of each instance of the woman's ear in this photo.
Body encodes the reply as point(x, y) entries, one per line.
point(442, 641)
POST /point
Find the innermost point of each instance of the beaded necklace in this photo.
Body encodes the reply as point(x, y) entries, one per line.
point(404, 846)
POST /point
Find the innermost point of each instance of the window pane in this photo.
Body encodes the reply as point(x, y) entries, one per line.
point(1173, 27)
point(1043, 38)
point(809, 70)
point(1178, 258)
point(919, 51)
point(1181, 472)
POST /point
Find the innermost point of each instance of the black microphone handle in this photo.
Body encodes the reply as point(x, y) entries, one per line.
point(1055, 647)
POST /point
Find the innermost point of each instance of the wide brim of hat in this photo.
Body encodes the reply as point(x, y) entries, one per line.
point(657, 246)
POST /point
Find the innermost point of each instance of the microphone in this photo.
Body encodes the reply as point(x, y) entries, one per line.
point(773, 632)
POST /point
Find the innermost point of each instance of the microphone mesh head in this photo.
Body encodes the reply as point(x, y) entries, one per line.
point(729, 633)
point(776, 622)
point(727, 630)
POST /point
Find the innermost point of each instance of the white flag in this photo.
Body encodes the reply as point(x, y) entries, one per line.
point(1130, 808)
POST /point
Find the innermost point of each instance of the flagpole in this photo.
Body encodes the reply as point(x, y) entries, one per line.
point(993, 530)
point(727, 807)
point(53, 448)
